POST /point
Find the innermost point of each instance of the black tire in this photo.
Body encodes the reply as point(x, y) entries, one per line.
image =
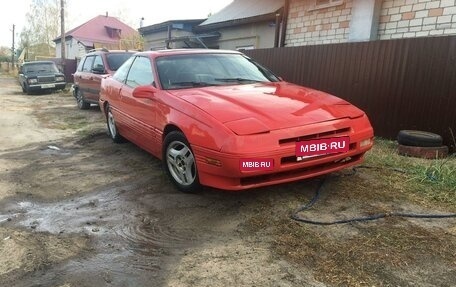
point(27, 90)
point(419, 138)
point(179, 162)
point(23, 89)
point(112, 128)
point(82, 104)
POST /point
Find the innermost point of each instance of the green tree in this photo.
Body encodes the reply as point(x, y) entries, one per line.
point(43, 24)
point(5, 54)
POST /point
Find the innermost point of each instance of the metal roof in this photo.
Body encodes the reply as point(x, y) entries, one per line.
point(241, 9)
point(96, 30)
point(175, 24)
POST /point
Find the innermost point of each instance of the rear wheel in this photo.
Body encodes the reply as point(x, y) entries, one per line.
point(179, 162)
point(112, 128)
point(82, 104)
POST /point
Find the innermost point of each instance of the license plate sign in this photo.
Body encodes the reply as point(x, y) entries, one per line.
point(318, 147)
point(47, 86)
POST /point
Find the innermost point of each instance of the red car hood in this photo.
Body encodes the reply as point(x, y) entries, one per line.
point(255, 108)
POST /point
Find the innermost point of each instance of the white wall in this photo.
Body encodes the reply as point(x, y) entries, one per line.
point(73, 49)
point(256, 35)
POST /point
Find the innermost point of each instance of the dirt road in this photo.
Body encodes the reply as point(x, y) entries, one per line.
point(79, 210)
point(82, 211)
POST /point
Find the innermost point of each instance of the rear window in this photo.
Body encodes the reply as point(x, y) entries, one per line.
point(115, 60)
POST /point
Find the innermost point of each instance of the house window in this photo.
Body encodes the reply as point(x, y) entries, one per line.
point(320, 4)
point(247, 47)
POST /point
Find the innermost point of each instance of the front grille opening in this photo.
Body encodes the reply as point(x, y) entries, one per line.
point(43, 79)
point(304, 172)
point(334, 133)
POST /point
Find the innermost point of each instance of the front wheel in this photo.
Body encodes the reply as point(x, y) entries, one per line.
point(82, 104)
point(179, 162)
point(112, 128)
point(27, 90)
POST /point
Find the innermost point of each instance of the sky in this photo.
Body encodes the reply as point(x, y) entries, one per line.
point(128, 11)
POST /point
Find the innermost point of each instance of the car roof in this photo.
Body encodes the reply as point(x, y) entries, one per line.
point(38, 62)
point(167, 52)
point(93, 52)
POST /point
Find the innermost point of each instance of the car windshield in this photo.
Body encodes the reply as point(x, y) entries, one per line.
point(40, 68)
point(201, 70)
point(115, 60)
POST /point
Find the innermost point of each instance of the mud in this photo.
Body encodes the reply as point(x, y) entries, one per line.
point(79, 210)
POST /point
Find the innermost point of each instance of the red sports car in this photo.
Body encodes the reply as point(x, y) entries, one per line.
point(218, 118)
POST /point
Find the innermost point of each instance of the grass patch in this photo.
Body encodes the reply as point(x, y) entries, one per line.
point(60, 113)
point(389, 252)
point(432, 179)
point(374, 256)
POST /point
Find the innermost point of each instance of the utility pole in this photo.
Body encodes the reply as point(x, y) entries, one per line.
point(12, 49)
point(62, 34)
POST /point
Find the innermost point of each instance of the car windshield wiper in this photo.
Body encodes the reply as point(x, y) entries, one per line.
point(190, 84)
point(239, 80)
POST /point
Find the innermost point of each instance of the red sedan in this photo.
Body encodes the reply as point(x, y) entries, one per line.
point(219, 119)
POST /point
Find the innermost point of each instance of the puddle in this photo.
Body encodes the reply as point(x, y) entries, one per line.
point(129, 235)
point(107, 213)
point(5, 218)
point(54, 150)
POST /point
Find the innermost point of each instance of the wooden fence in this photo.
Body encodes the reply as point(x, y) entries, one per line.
point(400, 84)
point(69, 70)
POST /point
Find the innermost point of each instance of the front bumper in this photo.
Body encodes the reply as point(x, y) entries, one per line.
point(47, 86)
point(222, 170)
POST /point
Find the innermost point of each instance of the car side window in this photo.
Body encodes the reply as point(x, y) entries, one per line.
point(140, 73)
point(81, 64)
point(98, 63)
point(122, 72)
point(87, 67)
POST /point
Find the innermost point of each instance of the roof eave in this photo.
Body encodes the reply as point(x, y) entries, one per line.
point(59, 39)
point(236, 22)
point(164, 26)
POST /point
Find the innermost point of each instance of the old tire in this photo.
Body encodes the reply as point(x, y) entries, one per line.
point(112, 128)
point(423, 152)
point(179, 162)
point(82, 104)
point(419, 138)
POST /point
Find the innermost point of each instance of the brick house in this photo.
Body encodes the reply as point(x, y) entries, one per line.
point(311, 22)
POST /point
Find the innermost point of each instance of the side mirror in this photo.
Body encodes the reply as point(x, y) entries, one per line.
point(98, 70)
point(145, 92)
